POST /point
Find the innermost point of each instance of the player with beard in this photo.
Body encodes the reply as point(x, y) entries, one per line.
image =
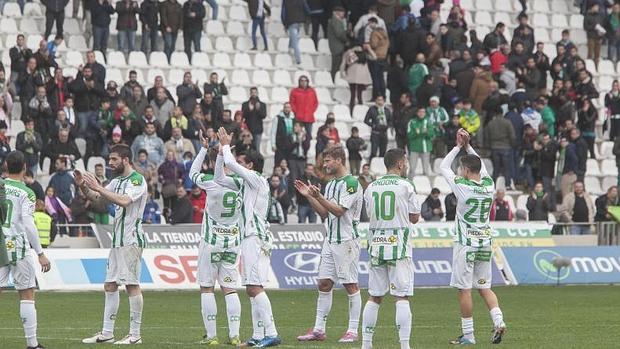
point(341, 205)
point(128, 192)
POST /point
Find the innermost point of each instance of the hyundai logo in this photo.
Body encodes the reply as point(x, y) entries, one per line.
point(303, 262)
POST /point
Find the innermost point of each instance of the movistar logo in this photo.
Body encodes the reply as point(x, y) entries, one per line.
point(543, 261)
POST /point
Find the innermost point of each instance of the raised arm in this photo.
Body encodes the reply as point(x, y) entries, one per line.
point(220, 176)
point(446, 164)
point(253, 179)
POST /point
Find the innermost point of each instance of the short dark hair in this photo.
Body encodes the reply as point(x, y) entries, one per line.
point(392, 157)
point(354, 129)
point(255, 158)
point(435, 191)
point(336, 152)
point(122, 150)
point(29, 174)
point(373, 20)
point(143, 151)
point(133, 72)
point(471, 162)
point(15, 162)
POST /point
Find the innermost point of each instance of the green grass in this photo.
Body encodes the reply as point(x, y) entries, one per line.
point(537, 317)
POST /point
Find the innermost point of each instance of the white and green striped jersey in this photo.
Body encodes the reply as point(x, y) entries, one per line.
point(254, 195)
point(19, 228)
point(128, 220)
point(347, 192)
point(389, 201)
point(220, 222)
point(474, 199)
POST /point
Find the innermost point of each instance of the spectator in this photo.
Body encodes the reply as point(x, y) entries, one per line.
point(531, 117)
point(34, 185)
point(425, 91)
point(612, 103)
point(179, 145)
point(152, 214)
point(127, 25)
point(613, 36)
point(354, 69)
point(137, 102)
point(450, 204)
point(539, 204)
point(603, 202)
point(417, 73)
point(496, 38)
point(305, 212)
point(101, 11)
point(80, 207)
point(40, 111)
point(431, 207)
point(198, 199)
point(547, 115)
point(379, 43)
point(439, 117)
point(171, 14)
point(397, 81)
point(293, 16)
point(500, 138)
point(254, 111)
point(61, 214)
point(151, 93)
point(162, 106)
point(275, 213)
point(5, 147)
point(282, 134)
point(27, 83)
point(403, 112)
point(362, 29)
point(355, 144)
point(420, 135)
point(481, 87)
point(548, 153)
point(211, 110)
point(152, 144)
point(127, 89)
point(149, 16)
point(586, 121)
point(19, 54)
point(54, 11)
point(365, 178)
point(217, 88)
point(524, 34)
point(530, 76)
point(542, 63)
point(30, 143)
point(177, 119)
point(170, 174)
point(336, 37)
point(450, 130)
point(88, 91)
point(182, 209)
point(577, 207)
point(593, 25)
point(581, 149)
point(298, 158)
point(146, 167)
point(259, 10)
point(567, 167)
point(304, 103)
point(214, 8)
point(62, 181)
point(188, 92)
point(469, 119)
point(193, 14)
point(231, 126)
point(379, 118)
point(500, 209)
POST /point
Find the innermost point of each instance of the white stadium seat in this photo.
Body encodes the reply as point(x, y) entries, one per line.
point(235, 29)
point(279, 95)
point(138, 59)
point(323, 78)
point(8, 25)
point(342, 113)
point(359, 112)
point(261, 78)
point(607, 150)
point(541, 20)
point(483, 18)
point(608, 182)
point(522, 202)
point(74, 58)
point(593, 185)
point(179, 59)
point(576, 22)
point(484, 5)
point(243, 43)
point(541, 6)
point(221, 60)
point(263, 61)
point(153, 72)
point(115, 59)
point(176, 75)
point(158, 59)
point(206, 44)
point(238, 94)
point(282, 78)
point(77, 42)
point(29, 26)
point(242, 60)
point(238, 13)
point(323, 95)
point(559, 21)
point(201, 60)
point(215, 28)
point(283, 61)
point(592, 167)
point(440, 183)
point(306, 45)
point(608, 168)
point(224, 43)
point(11, 9)
point(240, 77)
point(32, 9)
point(422, 184)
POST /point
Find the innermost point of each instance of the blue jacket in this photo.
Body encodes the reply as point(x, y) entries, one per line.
point(63, 184)
point(570, 159)
point(151, 212)
point(517, 124)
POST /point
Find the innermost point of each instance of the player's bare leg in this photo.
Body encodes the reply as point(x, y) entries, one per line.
point(355, 310)
point(209, 315)
point(369, 320)
point(136, 303)
point(467, 321)
point(323, 307)
point(499, 327)
point(28, 314)
point(233, 314)
point(110, 310)
point(263, 319)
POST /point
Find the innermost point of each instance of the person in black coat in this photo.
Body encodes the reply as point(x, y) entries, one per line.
point(182, 208)
point(100, 12)
point(397, 81)
point(539, 204)
point(193, 14)
point(19, 54)
point(54, 11)
point(254, 112)
point(603, 202)
point(149, 16)
point(581, 148)
point(379, 118)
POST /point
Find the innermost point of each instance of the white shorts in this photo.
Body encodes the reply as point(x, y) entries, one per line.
point(398, 279)
point(216, 264)
point(471, 267)
point(24, 274)
point(339, 262)
point(124, 265)
point(255, 261)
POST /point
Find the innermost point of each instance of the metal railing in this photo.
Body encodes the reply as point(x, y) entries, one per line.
point(573, 228)
point(608, 233)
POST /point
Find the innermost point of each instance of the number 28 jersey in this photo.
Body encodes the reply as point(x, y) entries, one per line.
point(474, 201)
point(389, 201)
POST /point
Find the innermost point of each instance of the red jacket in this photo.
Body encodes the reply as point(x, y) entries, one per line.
point(198, 203)
point(304, 103)
point(497, 59)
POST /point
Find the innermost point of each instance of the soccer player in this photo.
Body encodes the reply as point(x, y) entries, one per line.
point(341, 205)
point(392, 207)
point(128, 192)
point(218, 254)
point(256, 239)
point(472, 253)
point(21, 233)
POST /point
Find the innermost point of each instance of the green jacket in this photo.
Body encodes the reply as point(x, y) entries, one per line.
point(4, 256)
point(548, 118)
point(420, 133)
point(438, 116)
point(417, 72)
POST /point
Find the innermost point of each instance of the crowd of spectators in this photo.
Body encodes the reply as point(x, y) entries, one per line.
point(440, 77)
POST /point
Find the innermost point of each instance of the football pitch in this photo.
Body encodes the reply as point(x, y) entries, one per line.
point(537, 317)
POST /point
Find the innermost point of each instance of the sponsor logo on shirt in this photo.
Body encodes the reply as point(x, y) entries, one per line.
point(383, 240)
